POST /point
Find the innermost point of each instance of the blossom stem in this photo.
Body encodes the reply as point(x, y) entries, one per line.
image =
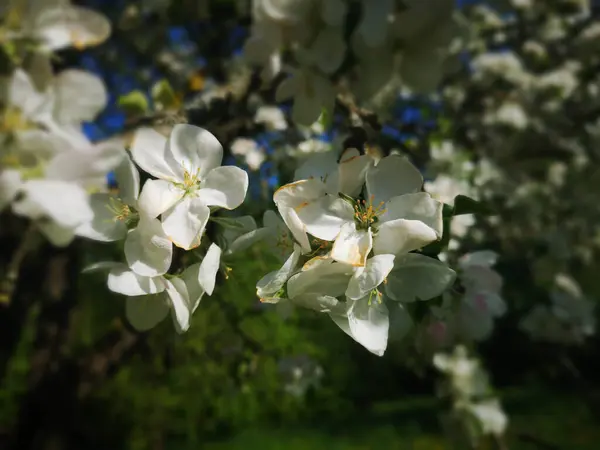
point(9, 280)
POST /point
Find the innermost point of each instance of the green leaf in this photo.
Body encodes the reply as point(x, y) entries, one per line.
point(466, 205)
point(164, 96)
point(134, 103)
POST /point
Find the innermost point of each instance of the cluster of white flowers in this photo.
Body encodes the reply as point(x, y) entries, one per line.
point(473, 405)
point(568, 319)
point(47, 165)
point(392, 39)
point(468, 315)
point(188, 185)
point(348, 238)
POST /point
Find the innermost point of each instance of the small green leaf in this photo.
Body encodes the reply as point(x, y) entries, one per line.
point(228, 222)
point(466, 205)
point(164, 96)
point(134, 103)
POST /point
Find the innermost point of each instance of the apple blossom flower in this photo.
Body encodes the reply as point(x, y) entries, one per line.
point(189, 180)
point(150, 298)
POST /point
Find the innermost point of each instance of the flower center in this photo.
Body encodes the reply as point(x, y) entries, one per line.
point(120, 211)
point(14, 120)
point(366, 214)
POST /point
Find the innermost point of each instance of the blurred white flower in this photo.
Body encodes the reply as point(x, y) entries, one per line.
point(272, 117)
point(253, 154)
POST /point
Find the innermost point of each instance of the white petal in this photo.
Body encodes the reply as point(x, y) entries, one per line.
point(317, 95)
point(366, 324)
point(124, 281)
point(420, 206)
point(104, 226)
point(298, 193)
point(147, 249)
point(58, 235)
point(271, 283)
point(65, 203)
point(296, 227)
point(367, 278)
point(480, 278)
point(10, 182)
point(103, 265)
point(78, 96)
point(158, 196)
point(128, 181)
point(209, 268)
point(326, 279)
point(148, 150)
point(418, 277)
point(318, 165)
point(393, 176)
point(74, 165)
point(180, 304)
point(247, 240)
point(147, 311)
point(65, 25)
point(195, 290)
point(328, 49)
point(184, 223)
point(193, 149)
point(286, 89)
point(352, 172)
point(402, 236)
point(225, 187)
point(374, 24)
point(352, 246)
point(486, 258)
point(23, 94)
point(325, 217)
point(319, 303)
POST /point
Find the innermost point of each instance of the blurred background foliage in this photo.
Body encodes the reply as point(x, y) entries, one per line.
point(250, 375)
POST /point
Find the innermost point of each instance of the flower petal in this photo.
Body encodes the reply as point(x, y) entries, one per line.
point(148, 251)
point(418, 277)
point(56, 234)
point(124, 281)
point(402, 236)
point(352, 246)
point(193, 149)
point(352, 172)
point(420, 206)
point(393, 176)
point(10, 182)
point(148, 150)
point(209, 268)
point(269, 285)
point(63, 26)
point(65, 203)
point(195, 290)
point(296, 227)
point(184, 223)
point(325, 217)
point(367, 278)
point(325, 279)
point(104, 226)
point(366, 324)
point(128, 181)
point(180, 304)
point(158, 196)
point(374, 24)
point(486, 258)
point(78, 96)
point(147, 311)
point(225, 187)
